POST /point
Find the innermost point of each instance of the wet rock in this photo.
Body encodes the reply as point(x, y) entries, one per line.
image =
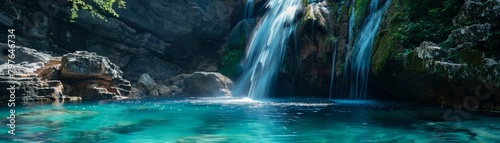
point(175, 90)
point(207, 84)
point(147, 37)
point(428, 50)
point(27, 54)
point(146, 83)
point(154, 93)
point(93, 77)
point(163, 90)
point(200, 84)
point(211, 69)
point(5, 21)
point(478, 11)
point(29, 88)
point(472, 33)
point(83, 64)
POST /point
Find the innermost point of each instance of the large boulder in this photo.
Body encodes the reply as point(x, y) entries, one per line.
point(207, 84)
point(200, 84)
point(83, 64)
point(146, 83)
point(93, 77)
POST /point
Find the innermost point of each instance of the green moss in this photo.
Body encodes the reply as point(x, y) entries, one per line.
point(359, 12)
point(413, 63)
point(427, 20)
point(472, 57)
point(232, 55)
point(384, 50)
point(230, 62)
point(387, 42)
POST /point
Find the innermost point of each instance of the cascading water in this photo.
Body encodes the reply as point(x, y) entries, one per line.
point(248, 13)
point(349, 38)
point(361, 56)
point(334, 56)
point(267, 48)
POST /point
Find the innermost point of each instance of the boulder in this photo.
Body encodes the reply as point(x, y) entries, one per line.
point(146, 83)
point(207, 84)
point(472, 33)
point(200, 84)
point(93, 77)
point(154, 93)
point(83, 64)
point(428, 50)
point(163, 90)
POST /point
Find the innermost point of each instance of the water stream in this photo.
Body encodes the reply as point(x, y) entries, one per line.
point(267, 48)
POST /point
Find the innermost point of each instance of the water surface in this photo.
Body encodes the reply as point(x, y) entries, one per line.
point(244, 120)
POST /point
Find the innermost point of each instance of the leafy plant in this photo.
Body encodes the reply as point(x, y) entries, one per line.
point(103, 5)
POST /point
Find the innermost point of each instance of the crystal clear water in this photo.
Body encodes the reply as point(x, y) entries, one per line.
point(244, 120)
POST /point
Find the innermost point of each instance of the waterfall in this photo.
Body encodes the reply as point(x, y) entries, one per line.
point(361, 54)
point(334, 57)
point(349, 39)
point(267, 48)
point(248, 13)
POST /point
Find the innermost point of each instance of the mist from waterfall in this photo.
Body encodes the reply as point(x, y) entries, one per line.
point(267, 48)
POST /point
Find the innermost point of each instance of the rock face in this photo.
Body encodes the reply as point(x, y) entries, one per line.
point(81, 74)
point(93, 76)
point(311, 58)
point(466, 69)
point(29, 88)
point(159, 37)
point(83, 64)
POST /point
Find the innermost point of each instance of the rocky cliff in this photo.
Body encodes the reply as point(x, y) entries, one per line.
point(460, 71)
point(162, 38)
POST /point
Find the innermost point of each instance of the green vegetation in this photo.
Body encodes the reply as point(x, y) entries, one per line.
point(360, 11)
point(232, 55)
point(411, 23)
point(387, 42)
point(426, 20)
point(105, 6)
point(230, 62)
